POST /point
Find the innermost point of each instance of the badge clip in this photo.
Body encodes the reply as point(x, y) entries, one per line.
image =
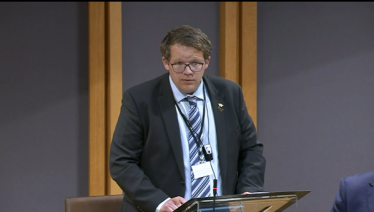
point(208, 154)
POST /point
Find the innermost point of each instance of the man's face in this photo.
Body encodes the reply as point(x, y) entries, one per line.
point(186, 81)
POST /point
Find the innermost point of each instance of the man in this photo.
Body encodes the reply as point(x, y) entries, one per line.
point(356, 194)
point(163, 119)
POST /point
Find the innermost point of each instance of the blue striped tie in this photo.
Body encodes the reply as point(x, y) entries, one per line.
point(199, 187)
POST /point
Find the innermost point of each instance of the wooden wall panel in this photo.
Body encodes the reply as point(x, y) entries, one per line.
point(229, 41)
point(238, 48)
point(105, 91)
point(114, 82)
point(97, 166)
point(248, 54)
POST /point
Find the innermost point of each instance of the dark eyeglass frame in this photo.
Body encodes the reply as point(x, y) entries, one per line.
point(185, 66)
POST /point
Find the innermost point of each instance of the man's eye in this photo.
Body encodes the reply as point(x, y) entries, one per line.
point(194, 63)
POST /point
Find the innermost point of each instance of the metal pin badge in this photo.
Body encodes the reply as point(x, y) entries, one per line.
point(220, 107)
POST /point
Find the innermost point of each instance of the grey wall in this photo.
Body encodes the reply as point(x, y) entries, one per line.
point(146, 23)
point(315, 95)
point(43, 105)
point(315, 92)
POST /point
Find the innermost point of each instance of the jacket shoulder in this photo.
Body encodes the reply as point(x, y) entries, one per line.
point(359, 179)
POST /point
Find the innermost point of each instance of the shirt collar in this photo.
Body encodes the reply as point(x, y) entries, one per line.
point(178, 95)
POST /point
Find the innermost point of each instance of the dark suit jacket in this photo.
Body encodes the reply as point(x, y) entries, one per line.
point(146, 153)
point(356, 194)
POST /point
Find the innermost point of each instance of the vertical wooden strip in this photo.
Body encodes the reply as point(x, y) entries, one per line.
point(248, 62)
point(114, 81)
point(238, 48)
point(229, 41)
point(96, 13)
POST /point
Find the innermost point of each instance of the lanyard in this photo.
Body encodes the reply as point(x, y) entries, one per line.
point(198, 141)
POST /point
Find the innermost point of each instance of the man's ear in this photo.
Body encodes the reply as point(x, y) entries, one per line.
point(207, 63)
point(166, 63)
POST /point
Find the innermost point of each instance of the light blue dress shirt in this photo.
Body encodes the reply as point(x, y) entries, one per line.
point(209, 129)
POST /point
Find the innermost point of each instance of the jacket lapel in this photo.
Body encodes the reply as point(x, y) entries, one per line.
point(169, 115)
point(219, 117)
point(370, 196)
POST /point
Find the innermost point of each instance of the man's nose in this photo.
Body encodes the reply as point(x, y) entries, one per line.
point(189, 69)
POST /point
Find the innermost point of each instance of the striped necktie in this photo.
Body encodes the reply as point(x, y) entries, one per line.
point(199, 187)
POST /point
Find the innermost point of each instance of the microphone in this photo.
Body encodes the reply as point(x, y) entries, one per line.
point(214, 193)
point(214, 187)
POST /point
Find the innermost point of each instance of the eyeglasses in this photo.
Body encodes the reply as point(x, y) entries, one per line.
point(180, 67)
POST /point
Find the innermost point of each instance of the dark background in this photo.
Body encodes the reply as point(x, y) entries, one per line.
point(315, 92)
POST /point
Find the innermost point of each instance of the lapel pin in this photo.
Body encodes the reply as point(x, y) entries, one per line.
point(220, 107)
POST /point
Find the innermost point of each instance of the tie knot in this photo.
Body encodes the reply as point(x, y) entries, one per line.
point(191, 99)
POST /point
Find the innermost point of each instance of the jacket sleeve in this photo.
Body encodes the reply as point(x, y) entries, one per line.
point(251, 162)
point(125, 157)
point(340, 204)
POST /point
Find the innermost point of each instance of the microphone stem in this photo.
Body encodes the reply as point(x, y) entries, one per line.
point(214, 193)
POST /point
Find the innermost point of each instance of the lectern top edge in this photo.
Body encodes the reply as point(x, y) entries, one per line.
point(244, 198)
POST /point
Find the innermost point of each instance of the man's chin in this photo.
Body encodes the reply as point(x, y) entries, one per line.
point(188, 89)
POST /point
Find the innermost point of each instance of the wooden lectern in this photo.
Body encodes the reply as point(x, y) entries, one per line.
point(256, 202)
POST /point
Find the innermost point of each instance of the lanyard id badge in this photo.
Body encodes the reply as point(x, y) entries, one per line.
point(202, 170)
